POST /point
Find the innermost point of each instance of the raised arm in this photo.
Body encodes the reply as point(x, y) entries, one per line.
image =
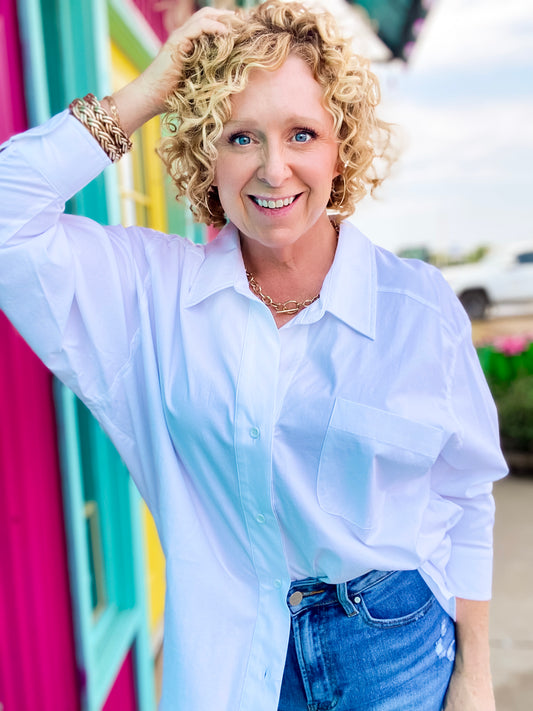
point(145, 96)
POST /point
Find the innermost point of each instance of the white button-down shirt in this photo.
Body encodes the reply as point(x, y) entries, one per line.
point(359, 436)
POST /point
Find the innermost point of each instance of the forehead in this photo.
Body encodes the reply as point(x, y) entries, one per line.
point(291, 88)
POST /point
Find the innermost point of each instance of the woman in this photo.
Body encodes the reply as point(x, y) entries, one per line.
point(303, 412)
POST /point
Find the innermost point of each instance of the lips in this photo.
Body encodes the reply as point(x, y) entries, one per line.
point(273, 204)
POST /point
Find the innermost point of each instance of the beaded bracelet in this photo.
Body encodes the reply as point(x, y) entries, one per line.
point(106, 129)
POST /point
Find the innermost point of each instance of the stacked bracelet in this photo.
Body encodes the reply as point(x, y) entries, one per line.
point(105, 128)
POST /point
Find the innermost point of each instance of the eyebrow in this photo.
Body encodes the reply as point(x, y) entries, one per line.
point(291, 120)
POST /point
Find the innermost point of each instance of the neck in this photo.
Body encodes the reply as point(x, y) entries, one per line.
point(297, 278)
point(311, 253)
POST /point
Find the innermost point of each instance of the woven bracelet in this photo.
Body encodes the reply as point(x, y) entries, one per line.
point(103, 127)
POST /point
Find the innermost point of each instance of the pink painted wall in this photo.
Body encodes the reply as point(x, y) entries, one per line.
point(37, 664)
point(122, 696)
point(154, 17)
point(37, 668)
point(12, 114)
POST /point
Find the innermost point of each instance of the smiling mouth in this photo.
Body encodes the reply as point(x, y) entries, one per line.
point(274, 204)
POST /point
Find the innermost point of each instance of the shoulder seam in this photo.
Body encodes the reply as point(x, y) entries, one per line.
point(456, 336)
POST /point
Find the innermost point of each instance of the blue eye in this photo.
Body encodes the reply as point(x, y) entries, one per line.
point(303, 136)
point(240, 140)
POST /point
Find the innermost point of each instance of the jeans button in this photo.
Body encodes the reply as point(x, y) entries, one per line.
point(296, 598)
point(357, 599)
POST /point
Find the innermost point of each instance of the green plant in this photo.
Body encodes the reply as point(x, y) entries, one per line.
point(515, 410)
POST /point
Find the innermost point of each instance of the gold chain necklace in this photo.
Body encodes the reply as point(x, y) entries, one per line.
point(290, 307)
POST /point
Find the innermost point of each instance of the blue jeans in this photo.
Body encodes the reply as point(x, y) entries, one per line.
point(380, 642)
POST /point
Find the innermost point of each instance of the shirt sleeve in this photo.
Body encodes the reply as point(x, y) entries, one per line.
point(69, 285)
point(468, 465)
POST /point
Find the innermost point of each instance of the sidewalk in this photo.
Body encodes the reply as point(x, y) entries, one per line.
point(511, 630)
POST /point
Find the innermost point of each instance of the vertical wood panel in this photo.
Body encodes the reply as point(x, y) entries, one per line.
point(12, 113)
point(37, 669)
point(152, 17)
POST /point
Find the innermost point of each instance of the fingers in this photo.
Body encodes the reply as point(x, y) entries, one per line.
point(206, 21)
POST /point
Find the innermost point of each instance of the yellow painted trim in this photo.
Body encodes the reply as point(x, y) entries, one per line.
point(156, 571)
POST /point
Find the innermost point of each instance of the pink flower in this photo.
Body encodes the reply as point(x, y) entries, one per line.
point(512, 345)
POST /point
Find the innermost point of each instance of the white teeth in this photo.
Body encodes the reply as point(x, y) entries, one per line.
point(274, 203)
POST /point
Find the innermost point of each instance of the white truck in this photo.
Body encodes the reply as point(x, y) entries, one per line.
point(504, 275)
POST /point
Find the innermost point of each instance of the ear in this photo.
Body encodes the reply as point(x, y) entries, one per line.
point(339, 168)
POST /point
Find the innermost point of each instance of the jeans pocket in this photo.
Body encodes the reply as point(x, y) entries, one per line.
point(401, 598)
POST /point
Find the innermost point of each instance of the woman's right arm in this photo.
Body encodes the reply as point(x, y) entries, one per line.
point(66, 283)
point(69, 285)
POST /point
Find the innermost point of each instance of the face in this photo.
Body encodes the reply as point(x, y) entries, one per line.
point(277, 157)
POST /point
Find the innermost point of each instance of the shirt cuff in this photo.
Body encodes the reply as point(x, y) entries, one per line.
point(469, 572)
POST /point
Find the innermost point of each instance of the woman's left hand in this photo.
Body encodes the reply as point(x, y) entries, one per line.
point(470, 687)
point(467, 692)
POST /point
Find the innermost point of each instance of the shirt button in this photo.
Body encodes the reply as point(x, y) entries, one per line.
point(277, 583)
point(260, 518)
point(254, 432)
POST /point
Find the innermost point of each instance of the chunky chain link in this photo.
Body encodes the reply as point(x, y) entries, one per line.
point(290, 307)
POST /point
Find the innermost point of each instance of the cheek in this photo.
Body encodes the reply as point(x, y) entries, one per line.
point(322, 169)
point(229, 173)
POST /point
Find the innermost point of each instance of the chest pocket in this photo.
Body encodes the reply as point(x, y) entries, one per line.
point(374, 465)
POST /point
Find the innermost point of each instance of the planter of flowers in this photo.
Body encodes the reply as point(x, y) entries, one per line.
point(508, 366)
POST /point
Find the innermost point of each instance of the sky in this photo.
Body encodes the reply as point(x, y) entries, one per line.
point(464, 105)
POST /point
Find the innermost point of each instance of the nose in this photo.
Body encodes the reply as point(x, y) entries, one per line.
point(274, 168)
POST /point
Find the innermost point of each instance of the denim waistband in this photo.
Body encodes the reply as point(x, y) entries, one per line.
point(314, 591)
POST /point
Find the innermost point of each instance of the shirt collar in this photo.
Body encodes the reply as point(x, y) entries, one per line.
point(222, 268)
point(348, 291)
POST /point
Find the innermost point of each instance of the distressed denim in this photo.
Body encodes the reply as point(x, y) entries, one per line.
point(380, 642)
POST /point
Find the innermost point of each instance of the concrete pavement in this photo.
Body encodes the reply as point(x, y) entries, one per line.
point(511, 630)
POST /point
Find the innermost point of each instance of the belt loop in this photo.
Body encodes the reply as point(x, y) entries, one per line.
point(342, 596)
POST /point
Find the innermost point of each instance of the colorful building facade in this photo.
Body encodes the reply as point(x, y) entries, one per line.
point(81, 569)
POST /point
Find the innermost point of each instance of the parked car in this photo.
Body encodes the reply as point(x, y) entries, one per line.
point(504, 275)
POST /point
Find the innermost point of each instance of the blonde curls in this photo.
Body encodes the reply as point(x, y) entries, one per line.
point(218, 66)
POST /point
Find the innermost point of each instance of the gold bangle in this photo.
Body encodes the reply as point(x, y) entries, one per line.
point(112, 123)
point(102, 126)
point(113, 108)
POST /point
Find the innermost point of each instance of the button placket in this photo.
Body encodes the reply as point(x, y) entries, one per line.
point(254, 410)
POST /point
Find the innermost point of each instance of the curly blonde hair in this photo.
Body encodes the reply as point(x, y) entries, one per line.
point(218, 66)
